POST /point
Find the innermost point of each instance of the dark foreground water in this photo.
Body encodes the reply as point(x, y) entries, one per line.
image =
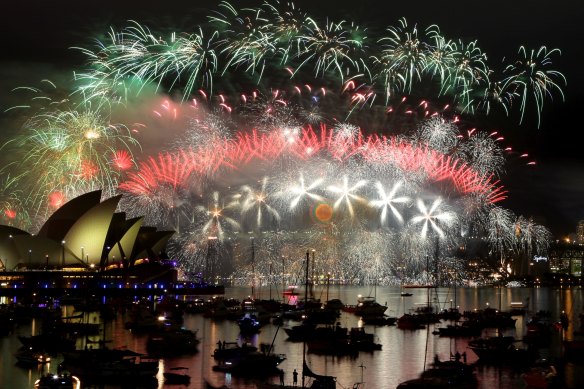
point(403, 355)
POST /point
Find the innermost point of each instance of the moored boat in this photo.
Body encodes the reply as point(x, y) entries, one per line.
point(501, 349)
point(540, 377)
point(173, 341)
point(368, 306)
point(174, 378)
point(253, 364)
point(249, 324)
point(50, 342)
point(409, 322)
point(574, 349)
point(31, 357)
point(57, 381)
point(451, 374)
point(110, 365)
point(232, 350)
point(462, 329)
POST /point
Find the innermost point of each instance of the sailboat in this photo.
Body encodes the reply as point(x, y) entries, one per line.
point(318, 381)
point(367, 306)
point(450, 374)
point(403, 293)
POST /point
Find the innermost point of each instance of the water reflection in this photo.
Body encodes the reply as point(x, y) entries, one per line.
point(403, 356)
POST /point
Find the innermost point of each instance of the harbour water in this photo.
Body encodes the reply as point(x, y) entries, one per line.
point(403, 356)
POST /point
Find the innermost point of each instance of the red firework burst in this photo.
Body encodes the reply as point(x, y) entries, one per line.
point(88, 169)
point(56, 199)
point(175, 168)
point(122, 160)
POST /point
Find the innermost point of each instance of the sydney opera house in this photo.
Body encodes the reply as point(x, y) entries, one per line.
point(84, 244)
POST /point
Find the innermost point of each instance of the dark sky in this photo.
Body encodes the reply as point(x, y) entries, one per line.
point(36, 37)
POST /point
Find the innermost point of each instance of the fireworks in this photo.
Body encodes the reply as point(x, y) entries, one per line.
point(12, 211)
point(243, 45)
point(262, 179)
point(531, 77)
point(65, 149)
point(296, 132)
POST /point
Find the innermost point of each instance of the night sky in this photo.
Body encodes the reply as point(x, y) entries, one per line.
point(36, 40)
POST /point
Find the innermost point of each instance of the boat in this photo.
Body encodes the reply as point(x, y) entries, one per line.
point(321, 315)
point(490, 318)
point(232, 350)
point(540, 377)
point(450, 314)
point(451, 374)
point(142, 319)
point(301, 332)
point(426, 315)
point(172, 341)
point(50, 342)
point(31, 357)
point(330, 340)
point(409, 322)
point(501, 349)
point(580, 330)
point(462, 329)
point(435, 383)
point(252, 364)
point(209, 386)
point(249, 324)
point(363, 341)
point(174, 378)
point(538, 332)
point(574, 349)
point(494, 342)
point(519, 308)
point(334, 304)
point(368, 306)
point(382, 320)
point(110, 365)
point(314, 381)
point(57, 381)
point(291, 290)
point(7, 322)
point(406, 294)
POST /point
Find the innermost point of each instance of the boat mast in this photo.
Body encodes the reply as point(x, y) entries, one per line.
point(328, 284)
point(305, 302)
point(270, 280)
point(283, 279)
point(362, 367)
point(312, 276)
point(252, 268)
